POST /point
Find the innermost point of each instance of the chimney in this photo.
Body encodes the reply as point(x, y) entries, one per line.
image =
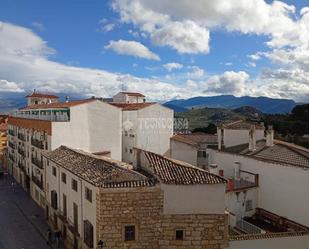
point(67, 98)
point(220, 137)
point(252, 139)
point(213, 168)
point(270, 136)
point(237, 170)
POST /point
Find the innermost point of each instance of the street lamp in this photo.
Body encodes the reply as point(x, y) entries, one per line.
point(100, 244)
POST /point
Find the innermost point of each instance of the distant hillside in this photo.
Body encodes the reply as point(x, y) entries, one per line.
point(263, 104)
point(202, 117)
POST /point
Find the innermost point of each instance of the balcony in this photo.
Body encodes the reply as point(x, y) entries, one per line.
point(11, 157)
point(37, 143)
point(21, 152)
point(57, 115)
point(244, 181)
point(11, 132)
point(37, 162)
point(20, 164)
point(21, 137)
point(37, 181)
point(11, 145)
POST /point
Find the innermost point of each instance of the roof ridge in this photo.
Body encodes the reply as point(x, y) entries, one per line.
point(182, 164)
point(123, 166)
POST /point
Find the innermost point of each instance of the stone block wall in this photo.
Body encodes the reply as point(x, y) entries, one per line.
point(143, 207)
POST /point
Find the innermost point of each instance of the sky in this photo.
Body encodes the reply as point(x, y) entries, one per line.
point(165, 49)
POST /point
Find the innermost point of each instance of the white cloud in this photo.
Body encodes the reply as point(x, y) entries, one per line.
point(108, 27)
point(196, 72)
point(7, 86)
point(172, 65)
point(185, 37)
point(38, 26)
point(166, 21)
point(132, 48)
point(25, 64)
point(229, 82)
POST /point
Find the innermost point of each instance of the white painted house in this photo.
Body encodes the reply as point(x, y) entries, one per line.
point(146, 126)
point(282, 170)
point(129, 97)
point(192, 148)
point(90, 124)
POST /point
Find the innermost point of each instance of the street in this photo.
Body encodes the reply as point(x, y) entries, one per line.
point(22, 222)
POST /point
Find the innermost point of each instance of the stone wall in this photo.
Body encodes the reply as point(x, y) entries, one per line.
point(143, 207)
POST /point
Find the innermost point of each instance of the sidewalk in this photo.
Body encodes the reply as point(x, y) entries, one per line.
point(27, 207)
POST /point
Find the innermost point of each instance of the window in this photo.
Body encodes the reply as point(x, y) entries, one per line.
point(88, 194)
point(248, 205)
point(201, 153)
point(63, 177)
point(64, 204)
point(88, 234)
point(179, 234)
point(74, 185)
point(131, 151)
point(53, 197)
point(54, 171)
point(129, 233)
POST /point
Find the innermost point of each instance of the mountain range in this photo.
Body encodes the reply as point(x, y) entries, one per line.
point(12, 101)
point(263, 104)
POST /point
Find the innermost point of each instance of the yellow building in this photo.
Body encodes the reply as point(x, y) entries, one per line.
point(3, 138)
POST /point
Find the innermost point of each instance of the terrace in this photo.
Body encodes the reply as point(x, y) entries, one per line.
point(54, 115)
point(244, 180)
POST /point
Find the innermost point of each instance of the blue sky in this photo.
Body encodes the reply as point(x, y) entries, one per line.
point(76, 33)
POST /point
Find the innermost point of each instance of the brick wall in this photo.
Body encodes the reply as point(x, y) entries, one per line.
point(143, 208)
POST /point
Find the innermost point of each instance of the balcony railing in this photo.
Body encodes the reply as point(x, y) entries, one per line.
point(64, 117)
point(243, 181)
point(21, 152)
point(12, 158)
point(248, 228)
point(37, 181)
point(11, 132)
point(37, 162)
point(11, 145)
point(21, 137)
point(37, 143)
point(20, 164)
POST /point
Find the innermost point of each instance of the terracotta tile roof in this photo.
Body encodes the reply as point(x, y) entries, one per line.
point(132, 106)
point(267, 235)
point(196, 139)
point(100, 171)
point(242, 125)
point(280, 153)
point(133, 94)
point(38, 125)
point(170, 171)
point(42, 95)
point(58, 105)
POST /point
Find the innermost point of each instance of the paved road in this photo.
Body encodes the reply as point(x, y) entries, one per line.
point(22, 222)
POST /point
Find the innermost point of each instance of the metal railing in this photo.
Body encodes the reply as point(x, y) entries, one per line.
point(21, 137)
point(37, 162)
point(21, 152)
point(37, 143)
point(11, 145)
point(12, 158)
point(11, 132)
point(248, 228)
point(47, 117)
point(37, 181)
